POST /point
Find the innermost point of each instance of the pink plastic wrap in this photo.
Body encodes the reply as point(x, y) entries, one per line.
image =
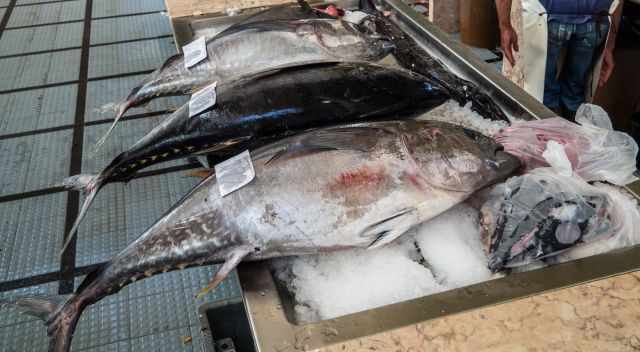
point(596, 154)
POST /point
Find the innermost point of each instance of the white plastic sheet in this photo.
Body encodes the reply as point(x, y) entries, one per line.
point(596, 154)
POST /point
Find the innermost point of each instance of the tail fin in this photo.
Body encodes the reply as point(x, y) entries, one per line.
point(60, 313)
point(122, 109)
point(90, 185)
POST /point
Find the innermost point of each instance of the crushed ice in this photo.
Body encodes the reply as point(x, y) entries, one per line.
point(463, 116)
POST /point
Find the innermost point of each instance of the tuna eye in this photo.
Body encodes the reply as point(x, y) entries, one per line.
point(492, 164)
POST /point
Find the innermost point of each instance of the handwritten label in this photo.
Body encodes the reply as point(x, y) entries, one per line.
point(194, 52)
point(234, 173)
point(203, 99)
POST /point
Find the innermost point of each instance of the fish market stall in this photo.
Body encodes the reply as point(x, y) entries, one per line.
point(361, 171)
point(279, 322)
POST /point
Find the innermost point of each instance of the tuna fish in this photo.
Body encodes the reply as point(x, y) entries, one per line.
point(412, 56)
point(356, 186)
point(255, 110)
point(541, 214)
point(255, 47)
point(300, 11)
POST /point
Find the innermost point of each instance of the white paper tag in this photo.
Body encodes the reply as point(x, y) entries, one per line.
point(194, 52)
point(354, 16)
point(203, 99)
point(235, 173)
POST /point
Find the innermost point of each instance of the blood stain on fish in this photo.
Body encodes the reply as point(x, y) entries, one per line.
point(359, 187)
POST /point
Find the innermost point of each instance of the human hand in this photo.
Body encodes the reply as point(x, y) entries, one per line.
point(608, 63)
point(509, 43)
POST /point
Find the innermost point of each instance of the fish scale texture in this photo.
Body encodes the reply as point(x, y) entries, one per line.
point(155, 314)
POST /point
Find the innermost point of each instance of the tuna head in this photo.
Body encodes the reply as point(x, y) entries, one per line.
point(457, 159)
point(535, 216)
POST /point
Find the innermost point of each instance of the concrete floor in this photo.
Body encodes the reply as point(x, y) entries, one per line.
point(42, 86)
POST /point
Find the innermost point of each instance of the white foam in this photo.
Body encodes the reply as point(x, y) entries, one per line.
point(453, 113)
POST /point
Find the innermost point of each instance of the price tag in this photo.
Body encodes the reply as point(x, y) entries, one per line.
point(354, 16)
point(202, 99)
point(235, 173)
point(194, 52)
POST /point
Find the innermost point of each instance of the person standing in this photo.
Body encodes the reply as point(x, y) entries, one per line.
point(577, 27)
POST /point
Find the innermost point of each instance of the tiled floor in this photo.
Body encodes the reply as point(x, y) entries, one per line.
point(39, 92)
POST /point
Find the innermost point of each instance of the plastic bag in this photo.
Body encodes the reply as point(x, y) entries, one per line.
point(542, 214)
point(589, 114)
point(625, 214)
point(596, 154)
point(557, 158)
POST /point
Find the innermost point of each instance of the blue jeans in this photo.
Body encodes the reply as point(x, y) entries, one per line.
point(581, 41)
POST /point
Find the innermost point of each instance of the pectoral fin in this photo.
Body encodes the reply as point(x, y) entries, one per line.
point(387, 230)
point(233, 259)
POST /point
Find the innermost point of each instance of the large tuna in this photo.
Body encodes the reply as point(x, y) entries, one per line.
point(255, 47)
point(412, 56)
point(250, 112)
point(358, 186)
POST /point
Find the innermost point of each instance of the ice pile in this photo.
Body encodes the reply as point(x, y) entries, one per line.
point(463, 116)
point(442, 254)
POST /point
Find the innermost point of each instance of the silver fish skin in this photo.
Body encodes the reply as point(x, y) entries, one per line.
point(357, 186)
point(257, 47)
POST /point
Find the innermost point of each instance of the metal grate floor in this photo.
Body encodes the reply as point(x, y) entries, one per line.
point(51, 69)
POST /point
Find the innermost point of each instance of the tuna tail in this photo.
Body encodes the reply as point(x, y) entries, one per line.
point(60, 313)
point(122, 109)
point(89, 185)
